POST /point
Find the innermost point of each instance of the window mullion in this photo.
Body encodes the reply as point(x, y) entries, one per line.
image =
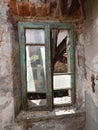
point(48, 67)
point(72, 56)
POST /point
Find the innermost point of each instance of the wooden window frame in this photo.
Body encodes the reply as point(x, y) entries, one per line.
point(47, 26)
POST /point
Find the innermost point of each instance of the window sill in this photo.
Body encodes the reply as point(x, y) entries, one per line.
point(59, 113)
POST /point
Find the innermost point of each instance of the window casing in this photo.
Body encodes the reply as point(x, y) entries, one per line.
point(40, 58)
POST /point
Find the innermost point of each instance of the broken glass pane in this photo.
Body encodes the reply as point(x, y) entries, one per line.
point(61, 66)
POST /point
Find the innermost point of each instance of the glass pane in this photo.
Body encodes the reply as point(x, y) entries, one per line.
point(61, 66)
point(36, 75)
point(35, 36)
point(61, 82)
point(62, 89)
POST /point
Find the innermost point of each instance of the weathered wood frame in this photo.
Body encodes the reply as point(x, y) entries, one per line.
point(47, 26)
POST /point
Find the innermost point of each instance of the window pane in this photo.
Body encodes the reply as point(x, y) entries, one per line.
point(36, 74)
point(61, 66)
point(35, 36)
point(61, 51)
point(61, 82)
point(62, 89)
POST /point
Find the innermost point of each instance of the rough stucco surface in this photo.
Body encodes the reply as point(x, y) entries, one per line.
point(10, 98)
point(80, 66)
point(67, 123)
point(91, 53)
point(6, 84)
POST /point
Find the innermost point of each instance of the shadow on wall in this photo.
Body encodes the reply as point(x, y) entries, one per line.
point(91, 113)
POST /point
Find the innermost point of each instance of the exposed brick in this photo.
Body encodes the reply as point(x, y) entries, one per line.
point(44, 10)
point(32, 9)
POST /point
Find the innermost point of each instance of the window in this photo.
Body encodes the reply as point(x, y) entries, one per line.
point(47, 64)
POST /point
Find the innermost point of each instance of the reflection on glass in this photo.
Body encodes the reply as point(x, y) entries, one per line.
point(36, 75)
point(35, 36)
point(61, 82)
point(61, 66)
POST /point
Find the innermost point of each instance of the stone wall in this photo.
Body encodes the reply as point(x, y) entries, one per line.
point(91, 55)
point(10, 88)
point(6, 82)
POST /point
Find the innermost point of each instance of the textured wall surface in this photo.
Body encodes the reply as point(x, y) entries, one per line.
point(91, 55)
point(6, 82)
point(10, 89)
point(56, 120)
point(69, 122)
